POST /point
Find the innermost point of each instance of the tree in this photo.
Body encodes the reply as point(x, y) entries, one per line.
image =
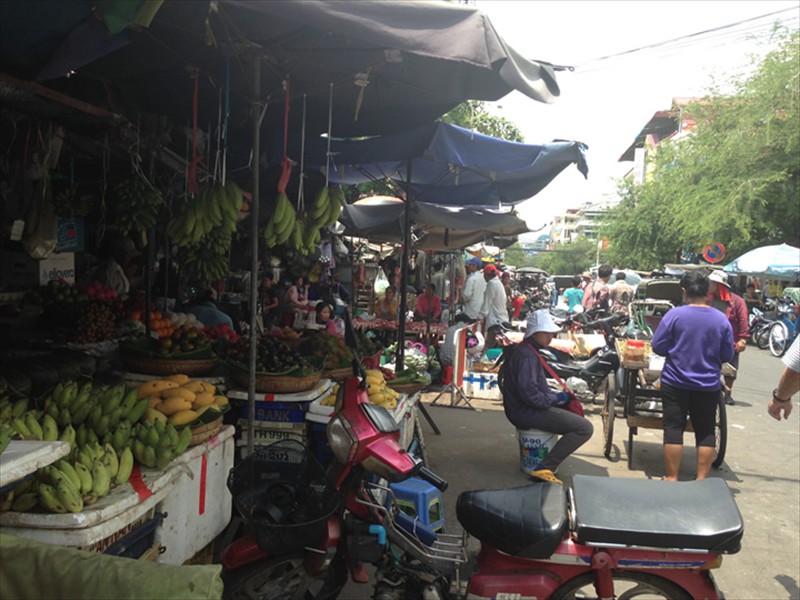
point(472, 114)
point(735, 180)
point(567, 259)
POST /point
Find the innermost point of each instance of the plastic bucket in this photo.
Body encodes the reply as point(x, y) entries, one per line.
point(534, 446)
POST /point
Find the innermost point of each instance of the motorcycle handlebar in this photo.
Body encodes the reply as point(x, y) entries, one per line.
point(432, 478)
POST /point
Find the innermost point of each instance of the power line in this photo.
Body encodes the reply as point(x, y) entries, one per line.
point(684, 37)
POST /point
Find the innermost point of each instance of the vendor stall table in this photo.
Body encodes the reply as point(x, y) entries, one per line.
point(23, 457)
point(191, 493)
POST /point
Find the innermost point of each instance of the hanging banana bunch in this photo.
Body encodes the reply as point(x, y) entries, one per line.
point(208, 261)
point(68, 204)
point(136, 205)
point(304, 231)
point(213, 207)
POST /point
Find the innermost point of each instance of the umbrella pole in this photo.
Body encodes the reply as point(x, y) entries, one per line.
point(251, 375)
point(401, 329)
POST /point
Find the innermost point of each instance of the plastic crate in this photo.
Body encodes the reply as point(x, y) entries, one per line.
point(139, 540)
point(278, 412)
point(284, 495)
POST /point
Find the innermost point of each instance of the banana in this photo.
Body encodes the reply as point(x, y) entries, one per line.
point(114, 399)
point(203, 399)
point(86, 458)
point(33, 426)
point(85, 476)
point(81, 413)
point(153, 436)
point(149, 456)
point(69, 496)
point(154, 387)
point(80, 436)
point(64, 417)
point(164, 457)
point(125, 467)
point(179, 392)
point(196, 386)
point(183, 417)
point(69, 470)
point(172, 433)
point(170, 406)
point(101, 480)
point(138, 410)
point(151, 415)
point(19, 407)
point(57, 395)
point(48, 498)
point(129, 401)
point(183, 441)
point(321, 203)
point(7, 501)
point(49, 428)
point(110, 460)
point(25, 502)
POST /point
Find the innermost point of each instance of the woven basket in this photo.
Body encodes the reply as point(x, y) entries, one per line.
point(407, 388)
point(203, 433)
point(338, 374)
point(168, 366)
point(276, 384)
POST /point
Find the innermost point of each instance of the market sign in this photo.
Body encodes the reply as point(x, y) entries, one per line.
point(70, 235)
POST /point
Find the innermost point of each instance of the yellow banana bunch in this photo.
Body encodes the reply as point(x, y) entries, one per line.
point(380, 393)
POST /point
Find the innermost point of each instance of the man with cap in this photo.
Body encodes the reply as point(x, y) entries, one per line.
point(474, 288)
point(530, 404)
point(586, 279)
point(494, 310)
point(734, 307)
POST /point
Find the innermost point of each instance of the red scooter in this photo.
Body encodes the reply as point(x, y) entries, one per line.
point(601, 538)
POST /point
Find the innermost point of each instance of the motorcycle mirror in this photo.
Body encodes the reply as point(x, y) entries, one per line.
point(577, 309)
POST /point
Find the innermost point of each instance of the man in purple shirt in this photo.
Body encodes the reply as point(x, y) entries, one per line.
point(695, 339)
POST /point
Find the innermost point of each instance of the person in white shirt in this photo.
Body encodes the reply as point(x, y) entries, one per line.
point(474, 288)
point(494, 310)
point(440, 281)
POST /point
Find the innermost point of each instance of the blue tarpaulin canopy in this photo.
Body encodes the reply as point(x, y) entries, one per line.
point(451, 165)
point(779, 261)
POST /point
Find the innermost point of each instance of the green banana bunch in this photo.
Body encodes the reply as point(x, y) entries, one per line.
point(281, 224)
point(156, 444)
point(5, 437)
point(67, 203)
point(136, 205)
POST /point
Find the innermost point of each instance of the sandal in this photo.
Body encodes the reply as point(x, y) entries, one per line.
point(545, 475)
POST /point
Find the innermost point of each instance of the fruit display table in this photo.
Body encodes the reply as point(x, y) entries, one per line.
point(191, 491)
point(23, 458)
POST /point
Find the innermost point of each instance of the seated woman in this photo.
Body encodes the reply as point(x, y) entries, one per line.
point(204, 307)
point(530, 404)
point(326, 320)
point(386, 307)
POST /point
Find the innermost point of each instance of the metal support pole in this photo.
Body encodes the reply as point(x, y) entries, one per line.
point(401, 329)
point(251, 374)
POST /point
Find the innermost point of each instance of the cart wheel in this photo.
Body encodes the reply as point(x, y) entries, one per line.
point(778, 338)
point(720, 433)
point(608, 415)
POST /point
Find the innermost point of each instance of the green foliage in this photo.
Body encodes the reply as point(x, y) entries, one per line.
point(518, 257)
point(735, 180)
point(568, 259)
point(472, 114)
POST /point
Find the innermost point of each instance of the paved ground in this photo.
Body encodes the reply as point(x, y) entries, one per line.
point(477, 449)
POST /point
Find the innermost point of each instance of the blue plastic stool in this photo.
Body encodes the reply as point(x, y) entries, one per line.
point(418, 498)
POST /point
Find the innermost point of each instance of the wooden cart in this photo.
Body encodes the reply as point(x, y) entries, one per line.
point(638, 404)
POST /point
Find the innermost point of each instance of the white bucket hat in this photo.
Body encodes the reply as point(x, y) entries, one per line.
point(541, 320)
point(719, 277)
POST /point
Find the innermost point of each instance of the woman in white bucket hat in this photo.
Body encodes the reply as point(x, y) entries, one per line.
point(530, 404)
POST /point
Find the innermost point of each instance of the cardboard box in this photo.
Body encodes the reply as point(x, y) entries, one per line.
point(278, 412)
point(57, 266)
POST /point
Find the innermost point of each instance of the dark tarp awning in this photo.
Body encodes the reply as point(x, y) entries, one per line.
point(452, 165)
point(437, 227)
point(386, 65)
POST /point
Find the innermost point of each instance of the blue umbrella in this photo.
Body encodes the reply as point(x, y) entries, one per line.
point(781, 261)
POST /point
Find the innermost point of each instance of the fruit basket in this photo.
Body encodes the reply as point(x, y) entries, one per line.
point(338, 374)
point(203, 433)
point(284, 496)
point(406, 388)
point(277, 383)
point(167, 366)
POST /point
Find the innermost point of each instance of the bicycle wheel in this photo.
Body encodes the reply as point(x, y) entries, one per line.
point(778, 338)
point(720, 433)
point(608, 415)
point(627, 586)
point(761, 336)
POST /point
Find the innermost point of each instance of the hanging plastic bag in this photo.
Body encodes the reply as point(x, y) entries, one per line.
point(381, 282)
point(40, 235)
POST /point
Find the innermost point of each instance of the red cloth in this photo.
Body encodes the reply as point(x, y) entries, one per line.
point(735, 308)
point(517, 303)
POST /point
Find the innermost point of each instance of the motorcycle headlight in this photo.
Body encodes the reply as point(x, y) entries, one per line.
point(340, 439)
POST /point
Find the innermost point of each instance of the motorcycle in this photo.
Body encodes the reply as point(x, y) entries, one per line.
point(760, 325)
point(540, 540)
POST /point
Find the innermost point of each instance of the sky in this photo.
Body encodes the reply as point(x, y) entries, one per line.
point(618, 84)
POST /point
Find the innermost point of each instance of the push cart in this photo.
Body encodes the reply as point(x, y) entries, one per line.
point(638, 400)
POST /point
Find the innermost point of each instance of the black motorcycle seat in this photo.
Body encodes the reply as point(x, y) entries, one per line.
point(689, 515)
point(528, 521)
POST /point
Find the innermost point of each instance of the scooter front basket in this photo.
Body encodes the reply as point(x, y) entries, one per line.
point(284, 496)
